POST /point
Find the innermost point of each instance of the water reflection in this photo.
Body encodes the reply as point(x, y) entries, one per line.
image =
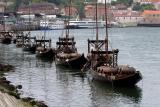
point(65, 74)
point(114, 96)
point(46, 63)
point(60, 87)
point(45, 59)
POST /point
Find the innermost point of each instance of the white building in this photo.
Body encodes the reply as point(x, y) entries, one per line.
point(103, 1)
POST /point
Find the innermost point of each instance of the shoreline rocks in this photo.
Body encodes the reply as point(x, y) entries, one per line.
point(7, 87)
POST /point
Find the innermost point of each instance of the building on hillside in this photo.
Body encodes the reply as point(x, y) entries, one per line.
point(2, 7)
point(157, 5)
point(4, 4)
point(73, 12)
point(90, 12)
point(127, 17)
point(45, 8)
point(151, 16)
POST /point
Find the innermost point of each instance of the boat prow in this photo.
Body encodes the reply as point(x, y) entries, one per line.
point(6, 41)
point(29, 48)
point(48, 53)
point(76, 61)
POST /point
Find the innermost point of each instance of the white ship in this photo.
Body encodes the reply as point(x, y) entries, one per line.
point(87, 23)
point(52, 24)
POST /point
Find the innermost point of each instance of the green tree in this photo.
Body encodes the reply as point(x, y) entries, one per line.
point(125, 2)
point(80, 7)
point(38, 1)
point(147, 7)
point(143, 7)
point(137, 7)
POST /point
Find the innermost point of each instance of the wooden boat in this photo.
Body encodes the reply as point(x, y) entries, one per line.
point(29, 48)
point(19, 40)
point(66, 51)
point(67, 55)
point(104, 63)
point(29, 44)
point(44, 49)
point(6, 37)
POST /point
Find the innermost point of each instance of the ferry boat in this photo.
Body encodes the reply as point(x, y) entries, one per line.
point(52, 24)
point(87, 23)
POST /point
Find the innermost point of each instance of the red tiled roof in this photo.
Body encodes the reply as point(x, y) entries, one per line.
point(155, 1)
point(151, 12)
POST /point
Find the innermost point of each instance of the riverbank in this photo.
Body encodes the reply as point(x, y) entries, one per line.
point(10, 97)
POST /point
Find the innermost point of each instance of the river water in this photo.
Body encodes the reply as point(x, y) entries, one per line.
point(60, 87)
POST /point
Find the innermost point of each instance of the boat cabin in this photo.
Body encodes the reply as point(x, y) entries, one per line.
point(66, 45)
point(99, 55)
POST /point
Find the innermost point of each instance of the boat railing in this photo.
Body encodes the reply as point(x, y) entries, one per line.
point(64, 39)
point(110, 57)
point(66, 43)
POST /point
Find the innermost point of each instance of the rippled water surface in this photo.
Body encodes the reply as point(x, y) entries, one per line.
point(60, 87)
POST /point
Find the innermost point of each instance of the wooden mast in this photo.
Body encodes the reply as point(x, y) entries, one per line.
point(4, 24)
point(96, 28)
point(68, 18)
point(106, 38)
point(45, 29)
point(29, 20)
point(67, 30)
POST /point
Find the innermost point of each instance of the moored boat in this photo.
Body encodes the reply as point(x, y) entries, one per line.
point(44, 49)
point(66, 51)
point(104, 63)
point(6, 37)
point(19, 40)
point(29, 44)
point(67, 55)
point(29, 48)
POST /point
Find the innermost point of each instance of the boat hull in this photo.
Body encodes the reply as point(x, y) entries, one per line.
point(6, 40)
point(47, 54)
point(129, 80)
point(77, 63)
point(31, 49)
